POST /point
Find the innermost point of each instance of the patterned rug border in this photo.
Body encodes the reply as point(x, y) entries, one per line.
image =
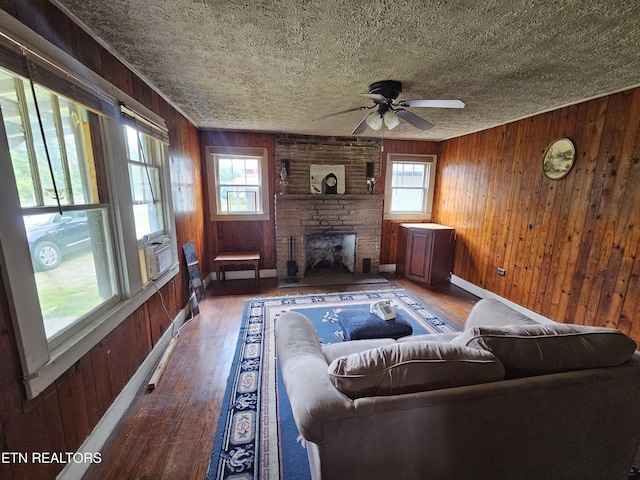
point(247, 439)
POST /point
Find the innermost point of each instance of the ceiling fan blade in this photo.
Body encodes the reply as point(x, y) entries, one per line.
point(362, 126)
point(376, 97)
point(341, 112)
point(414, 119)
point(433, 103)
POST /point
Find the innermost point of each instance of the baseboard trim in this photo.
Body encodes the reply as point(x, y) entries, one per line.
point(100, 434)
point(483, 293)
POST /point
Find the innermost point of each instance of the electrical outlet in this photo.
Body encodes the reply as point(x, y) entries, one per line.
point(501, 271)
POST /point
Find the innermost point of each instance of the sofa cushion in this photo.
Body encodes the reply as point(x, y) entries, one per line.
point(527, 350)
point(409, 367)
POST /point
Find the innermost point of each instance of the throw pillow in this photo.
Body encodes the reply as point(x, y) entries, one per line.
point(409, 367)
point(527, 350)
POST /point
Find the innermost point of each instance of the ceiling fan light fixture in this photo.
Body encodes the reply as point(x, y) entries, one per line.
point(374, 120)
point(389, 110)
point(391, 120)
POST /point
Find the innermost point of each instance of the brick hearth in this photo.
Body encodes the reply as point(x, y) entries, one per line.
point(300, 214)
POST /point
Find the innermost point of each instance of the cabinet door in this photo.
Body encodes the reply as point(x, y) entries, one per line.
point(419, 251)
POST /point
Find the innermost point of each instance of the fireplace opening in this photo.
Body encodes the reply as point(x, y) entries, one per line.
point(330, 253)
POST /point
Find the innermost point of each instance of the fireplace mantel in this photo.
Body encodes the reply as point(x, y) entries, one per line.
point(313, 196)
point(298, 215)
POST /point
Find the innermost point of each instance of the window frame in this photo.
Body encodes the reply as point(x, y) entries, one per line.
point(429, 189)
point(153, 164)
point(132, 248)
point(43, 360)
point(93, 198)
point(213, 183)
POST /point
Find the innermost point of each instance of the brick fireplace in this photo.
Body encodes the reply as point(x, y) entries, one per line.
point(300, 215)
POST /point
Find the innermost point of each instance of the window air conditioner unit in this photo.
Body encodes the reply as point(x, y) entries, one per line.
point(158, 257)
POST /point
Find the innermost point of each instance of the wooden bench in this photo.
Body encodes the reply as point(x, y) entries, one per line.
point(236, 258)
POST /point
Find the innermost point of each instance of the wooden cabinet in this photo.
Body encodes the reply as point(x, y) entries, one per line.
point(425, 252)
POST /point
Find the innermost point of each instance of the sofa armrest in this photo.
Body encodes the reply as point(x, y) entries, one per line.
point(491, 312)
point(314, 400)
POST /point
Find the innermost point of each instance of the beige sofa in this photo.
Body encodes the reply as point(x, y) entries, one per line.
point(508, 398)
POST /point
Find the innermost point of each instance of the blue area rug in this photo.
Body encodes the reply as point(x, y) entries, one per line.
point(257, 437)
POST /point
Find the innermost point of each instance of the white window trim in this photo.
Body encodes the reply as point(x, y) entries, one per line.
point(122, 199)
point(212, 182)
point(43, 362)
point(163, 179)
point(426, 215)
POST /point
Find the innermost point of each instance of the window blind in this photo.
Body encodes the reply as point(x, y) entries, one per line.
point(14, 56)
point(143, 124)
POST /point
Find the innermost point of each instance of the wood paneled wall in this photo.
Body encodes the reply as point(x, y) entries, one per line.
point(241, 236)
point(61, 417)
point(569, 247)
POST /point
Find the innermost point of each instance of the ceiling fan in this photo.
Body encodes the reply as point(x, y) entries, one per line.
point(384, 95)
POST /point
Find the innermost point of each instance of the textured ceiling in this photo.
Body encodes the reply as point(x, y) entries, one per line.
point(276, 65)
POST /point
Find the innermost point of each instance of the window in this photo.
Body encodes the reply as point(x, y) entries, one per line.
point(409, 187)
point(65, 218)
point(145, 156)
point(77, 191)
point(238, 186)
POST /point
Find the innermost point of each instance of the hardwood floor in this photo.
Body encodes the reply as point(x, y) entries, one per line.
point(168, 432)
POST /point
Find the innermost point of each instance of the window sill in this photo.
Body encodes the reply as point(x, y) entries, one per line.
point(407, 217)
point(240, 218)
point(68, 353)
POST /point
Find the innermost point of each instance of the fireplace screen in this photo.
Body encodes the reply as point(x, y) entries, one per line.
point(330, 253)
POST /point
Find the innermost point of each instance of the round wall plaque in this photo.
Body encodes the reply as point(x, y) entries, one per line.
point(558, 158)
